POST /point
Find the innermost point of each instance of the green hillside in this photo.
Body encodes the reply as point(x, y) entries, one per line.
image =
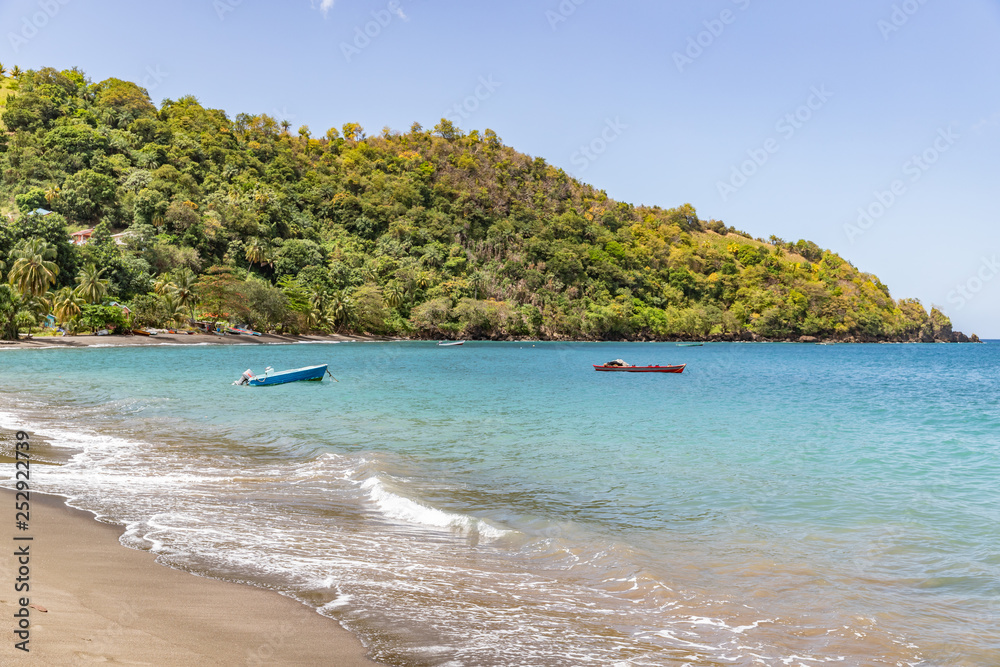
point(425, 233)
point(8, 86)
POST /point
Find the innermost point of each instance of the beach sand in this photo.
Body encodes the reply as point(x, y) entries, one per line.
point(106, 603)
point(178, 339)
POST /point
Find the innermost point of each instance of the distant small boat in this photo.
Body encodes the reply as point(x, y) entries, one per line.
point(453, 344)
point(620, 366)
point(282, 377)
point(143, 332)
point(689, 344)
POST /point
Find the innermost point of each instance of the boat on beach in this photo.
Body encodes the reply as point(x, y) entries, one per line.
point(307, 373)
point(143, 332)
point(621, 367)
point(451, 344)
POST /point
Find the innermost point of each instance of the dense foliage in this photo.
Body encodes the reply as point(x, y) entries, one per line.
point(425, 233)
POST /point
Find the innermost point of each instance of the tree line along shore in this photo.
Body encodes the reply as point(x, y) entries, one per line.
point(120, 214)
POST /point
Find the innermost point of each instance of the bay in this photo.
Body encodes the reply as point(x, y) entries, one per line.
point(503, 504)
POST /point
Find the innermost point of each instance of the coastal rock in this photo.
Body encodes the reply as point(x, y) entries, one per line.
point(808, 339)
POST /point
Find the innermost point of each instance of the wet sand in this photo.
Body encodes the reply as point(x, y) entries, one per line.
point(105, 603)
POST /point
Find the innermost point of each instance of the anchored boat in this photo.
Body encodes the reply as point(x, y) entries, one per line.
point(621, 367)
point(282, 377)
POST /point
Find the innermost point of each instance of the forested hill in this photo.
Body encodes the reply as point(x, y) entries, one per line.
point(428, 233)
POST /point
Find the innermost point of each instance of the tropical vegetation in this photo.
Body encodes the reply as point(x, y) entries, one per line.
point(423, 233)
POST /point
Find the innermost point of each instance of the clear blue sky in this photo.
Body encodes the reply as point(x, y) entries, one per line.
point(666, 119)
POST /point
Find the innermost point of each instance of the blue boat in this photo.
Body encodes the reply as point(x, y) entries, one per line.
point(295, 375)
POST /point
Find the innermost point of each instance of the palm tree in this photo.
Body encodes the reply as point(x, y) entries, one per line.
point(184, 289)
point(90, 285)
point(33, 271)
point(175, 310)
point(478, 281)
point(256, 253)
point(314, 317)
point(11, 305)
point(339, 309)
point(16, 72)
point(394, 294)
point(163, 285)
point(285, 124)
point(3, 71)
point(36, 307)
point(52, 194)
point(67, 305)
point(108, 117)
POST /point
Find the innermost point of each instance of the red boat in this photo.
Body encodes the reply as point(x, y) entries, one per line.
point(622, 367)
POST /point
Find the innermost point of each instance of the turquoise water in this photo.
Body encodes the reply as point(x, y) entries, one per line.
point(503, 504)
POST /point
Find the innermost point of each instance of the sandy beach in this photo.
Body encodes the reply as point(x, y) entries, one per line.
point(42, 342)
point(105, 603)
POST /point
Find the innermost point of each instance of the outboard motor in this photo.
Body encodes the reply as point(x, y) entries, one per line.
point(245, 378)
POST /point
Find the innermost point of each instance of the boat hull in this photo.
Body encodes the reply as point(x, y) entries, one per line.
point(641, 369)
point(314, 373)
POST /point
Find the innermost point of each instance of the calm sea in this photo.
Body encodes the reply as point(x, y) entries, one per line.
point(502, 504)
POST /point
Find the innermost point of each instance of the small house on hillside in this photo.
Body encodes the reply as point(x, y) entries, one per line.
point(126, 311)
point(120, 238)
point(81, 237)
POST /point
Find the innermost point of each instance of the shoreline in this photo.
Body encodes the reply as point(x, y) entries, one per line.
point(105, 602)
point(71, 342)
point(88, 341)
